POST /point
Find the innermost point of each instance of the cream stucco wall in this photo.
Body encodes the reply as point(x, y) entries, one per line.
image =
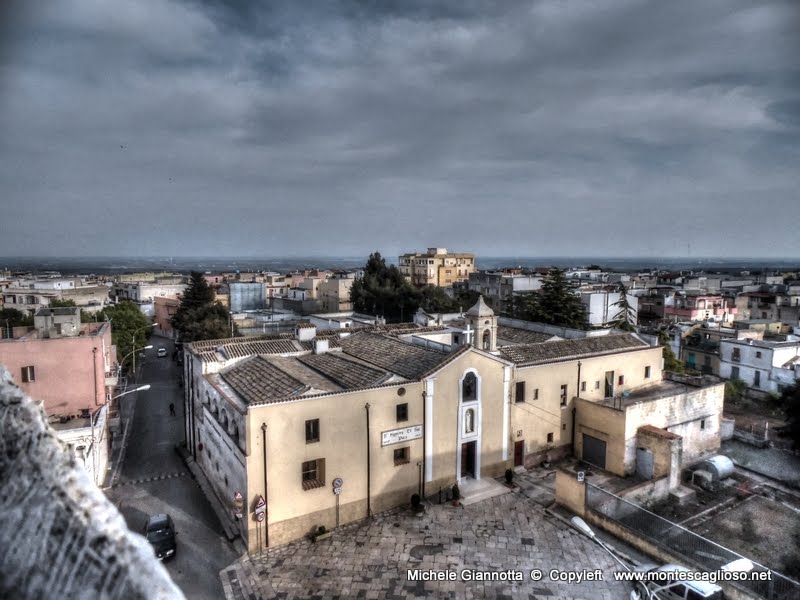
point(532, 420)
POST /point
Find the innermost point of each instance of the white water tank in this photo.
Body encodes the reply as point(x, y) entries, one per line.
point(721, 467)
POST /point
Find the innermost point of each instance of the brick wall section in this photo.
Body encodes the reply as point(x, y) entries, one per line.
point(58, 532)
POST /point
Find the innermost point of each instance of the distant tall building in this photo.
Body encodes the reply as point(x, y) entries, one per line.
point(437, 266)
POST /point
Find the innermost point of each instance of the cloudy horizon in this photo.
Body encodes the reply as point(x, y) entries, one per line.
point(540, 128)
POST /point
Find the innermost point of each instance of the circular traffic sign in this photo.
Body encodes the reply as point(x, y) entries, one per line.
point(337, 483)
point(260, 516)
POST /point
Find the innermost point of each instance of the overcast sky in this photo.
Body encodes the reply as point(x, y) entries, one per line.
point(538, 128)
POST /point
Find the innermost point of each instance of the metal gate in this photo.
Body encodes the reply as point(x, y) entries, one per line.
point(594, 451)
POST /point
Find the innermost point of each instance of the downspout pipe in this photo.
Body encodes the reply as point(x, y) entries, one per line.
point(266, 497)
point(424, 436)
point(369, 507)
point(575, 407)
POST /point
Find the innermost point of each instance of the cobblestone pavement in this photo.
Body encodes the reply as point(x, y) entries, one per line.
point(371, 559)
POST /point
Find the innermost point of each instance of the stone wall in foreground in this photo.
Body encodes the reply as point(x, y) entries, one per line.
point(59, 535)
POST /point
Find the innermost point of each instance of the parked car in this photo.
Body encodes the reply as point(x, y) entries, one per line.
point(162, 352)
point(160, 532)
point(673, 589)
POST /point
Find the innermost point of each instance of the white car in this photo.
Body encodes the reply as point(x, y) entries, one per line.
point(162, 352)
point(674, 589)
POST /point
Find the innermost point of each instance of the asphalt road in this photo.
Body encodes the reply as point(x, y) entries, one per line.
point(153, 479)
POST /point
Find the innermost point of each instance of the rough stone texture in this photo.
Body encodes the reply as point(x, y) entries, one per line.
point(370, 559)
point(59, 535)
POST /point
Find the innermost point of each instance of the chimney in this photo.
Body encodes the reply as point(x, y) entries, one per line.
point(320, 346)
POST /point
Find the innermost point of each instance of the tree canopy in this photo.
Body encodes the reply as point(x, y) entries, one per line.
point(383, 290)
point(555, 304)
point(625, 319)
point(11, 317)
point(198, 317)
point(790, 399)
point(127, 321)
point(671, 363)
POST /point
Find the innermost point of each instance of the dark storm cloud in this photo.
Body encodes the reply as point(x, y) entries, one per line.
point(619, 127)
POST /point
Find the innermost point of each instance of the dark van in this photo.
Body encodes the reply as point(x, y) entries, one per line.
point(160, 532)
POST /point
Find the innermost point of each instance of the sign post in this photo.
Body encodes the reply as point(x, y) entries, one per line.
point(238, 504)
point(337, 490)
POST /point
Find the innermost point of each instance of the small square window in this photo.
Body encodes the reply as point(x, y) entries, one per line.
point(758, 354)
point(312, 431)
point(402, 456)
point(647, 372)
point(313, 472)
point(550, 438)
point(402, 412)
point(583, 386)
point(28, 374)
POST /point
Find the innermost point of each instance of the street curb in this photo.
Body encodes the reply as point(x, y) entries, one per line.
point(233, 536)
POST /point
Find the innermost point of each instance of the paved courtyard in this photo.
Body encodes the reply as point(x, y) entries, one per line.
point(371, 559)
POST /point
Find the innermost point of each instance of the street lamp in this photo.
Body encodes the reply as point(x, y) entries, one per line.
point(135, 331)
point(134, 351)
point(581, 526)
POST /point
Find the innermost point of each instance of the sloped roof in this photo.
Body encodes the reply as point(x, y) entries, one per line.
point(528, 354)
point(257, 380)
point(391, 354)
point(238, 350)
point(515, 335)
point(348, 373)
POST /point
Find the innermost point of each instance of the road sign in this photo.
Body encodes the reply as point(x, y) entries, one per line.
point(260, 517)
point(238, 501)
point(261, 505)
point(581, 475)
point(337, 490)
point(337, 483)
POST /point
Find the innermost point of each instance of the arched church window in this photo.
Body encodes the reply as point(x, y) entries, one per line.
point(469, 389)
point(487, 340)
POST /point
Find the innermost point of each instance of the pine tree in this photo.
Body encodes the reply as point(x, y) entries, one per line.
point(625, 319)
point(198, 317)
point(558, 304)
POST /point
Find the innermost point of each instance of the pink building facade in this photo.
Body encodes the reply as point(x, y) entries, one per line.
point(68, 374)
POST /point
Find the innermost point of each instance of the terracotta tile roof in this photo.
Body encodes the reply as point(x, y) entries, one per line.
point(528, 354)
point(389, 353)
point(333, 342)
point(346, 372)
point(204, 345)
point(242, 349)
point(257, 380)
point(514, 335)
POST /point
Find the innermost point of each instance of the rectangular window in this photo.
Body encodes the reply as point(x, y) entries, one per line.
point(734, 372)
point(758, 354)
point(737, 356)
point(621, 380)
point(402, 456)
point(312, 431)
point(536, 394)
point(583, 386)
point(564, 395)
point(313, 472)
point(519, 395)
point(597, 385)
point(402, 412)
point(647, 372)
point(28, 374)
point(550, 438)
point(702, 423)
point(757, 379)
